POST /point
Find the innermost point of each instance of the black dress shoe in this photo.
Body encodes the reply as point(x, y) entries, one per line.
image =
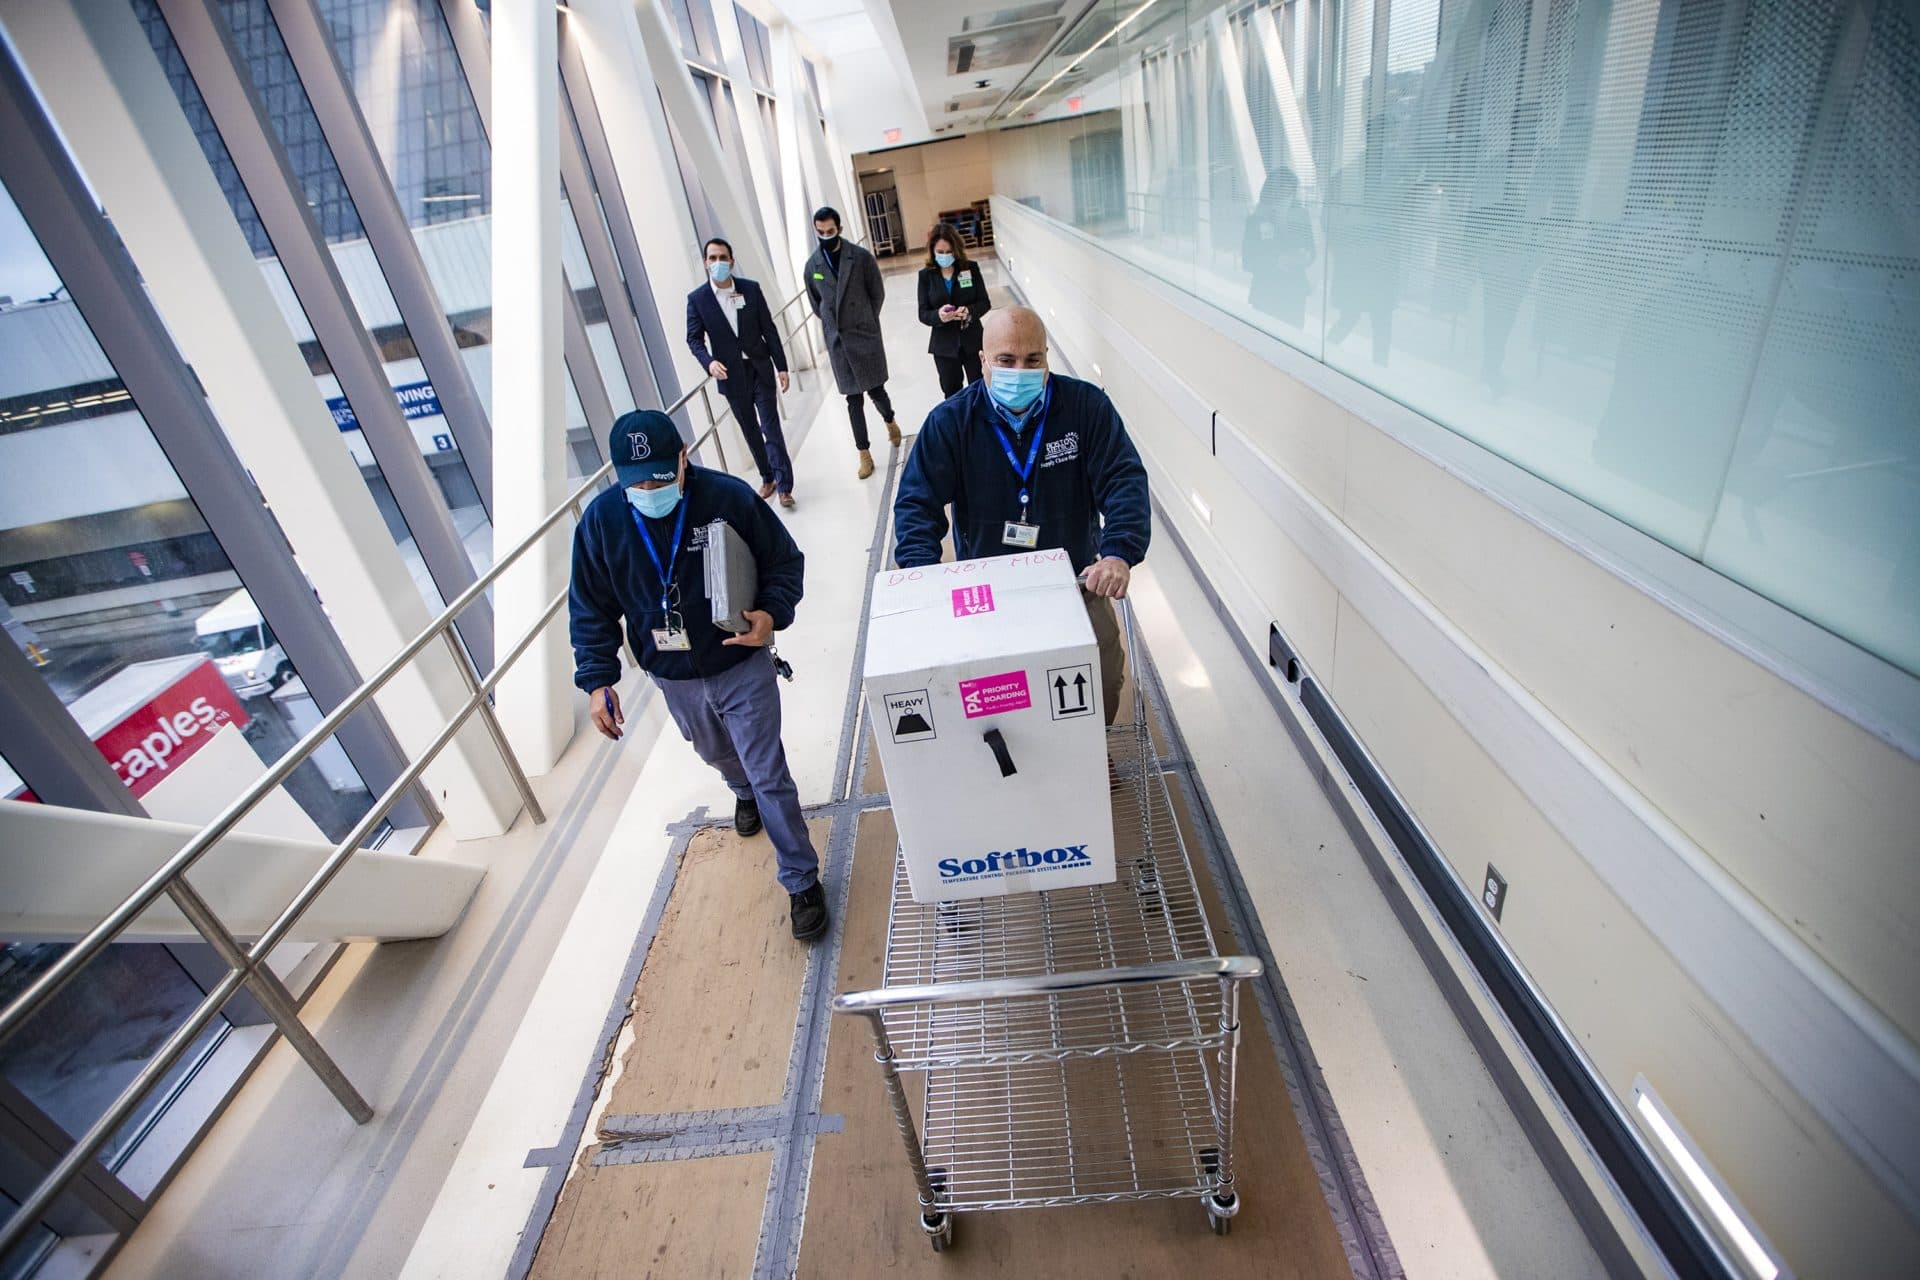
point(746, 817)
point(808, 909)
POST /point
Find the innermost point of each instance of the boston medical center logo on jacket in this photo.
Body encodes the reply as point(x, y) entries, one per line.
point(1001, 862)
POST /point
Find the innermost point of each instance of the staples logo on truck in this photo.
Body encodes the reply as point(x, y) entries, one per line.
point(169, 726)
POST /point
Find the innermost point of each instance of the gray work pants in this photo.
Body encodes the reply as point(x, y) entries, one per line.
point(733, 722)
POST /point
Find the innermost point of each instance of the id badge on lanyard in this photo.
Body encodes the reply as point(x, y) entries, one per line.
point(671, 637)
point(1022, 533)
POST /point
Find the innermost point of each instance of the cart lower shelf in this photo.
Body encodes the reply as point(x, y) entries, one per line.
point(1075, 1131)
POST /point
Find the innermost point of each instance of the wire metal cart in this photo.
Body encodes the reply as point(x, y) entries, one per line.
point(1078, 1045)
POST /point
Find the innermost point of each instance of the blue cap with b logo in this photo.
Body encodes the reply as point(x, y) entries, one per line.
point(644, 445)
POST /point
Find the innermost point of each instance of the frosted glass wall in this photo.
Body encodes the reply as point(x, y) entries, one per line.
point(1664, 255)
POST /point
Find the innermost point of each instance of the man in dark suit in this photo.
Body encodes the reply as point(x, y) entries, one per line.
point(731, 333)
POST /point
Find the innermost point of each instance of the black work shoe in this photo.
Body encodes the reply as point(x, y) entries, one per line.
point(808, 908)
point(746, 817)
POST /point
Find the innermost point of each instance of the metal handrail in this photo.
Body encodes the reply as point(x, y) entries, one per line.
point(247, 967)
point(1229, 968)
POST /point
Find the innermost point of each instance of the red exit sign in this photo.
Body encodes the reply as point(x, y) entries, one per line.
point(1073, 104)
point(893, 135)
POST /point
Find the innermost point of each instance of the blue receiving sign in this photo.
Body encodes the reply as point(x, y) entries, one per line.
point(417, 400)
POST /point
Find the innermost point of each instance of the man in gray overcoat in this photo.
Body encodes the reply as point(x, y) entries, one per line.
point(844, 285)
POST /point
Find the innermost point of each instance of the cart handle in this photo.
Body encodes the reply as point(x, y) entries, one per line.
point(1231, 968)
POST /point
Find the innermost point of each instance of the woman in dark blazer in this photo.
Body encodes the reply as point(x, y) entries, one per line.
point(953, 297)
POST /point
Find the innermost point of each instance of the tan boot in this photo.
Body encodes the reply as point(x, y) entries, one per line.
point(866, 464)
point(893, 432)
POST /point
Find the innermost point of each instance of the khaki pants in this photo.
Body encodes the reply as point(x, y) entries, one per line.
point(1113, 649)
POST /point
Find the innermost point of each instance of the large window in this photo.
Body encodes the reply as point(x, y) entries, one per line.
point(127, 607)
point(258, 40)
point(111, 575)
point(1663, 255)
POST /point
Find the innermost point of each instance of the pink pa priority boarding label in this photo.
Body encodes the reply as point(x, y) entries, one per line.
point(968, 601)
point(993, 695)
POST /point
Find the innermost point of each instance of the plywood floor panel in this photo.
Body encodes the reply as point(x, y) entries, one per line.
point(714, 1010)
point(665, 1221)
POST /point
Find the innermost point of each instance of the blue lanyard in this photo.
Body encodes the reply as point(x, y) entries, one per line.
point(1033, 451)
point(666, 572)
point(828, 259)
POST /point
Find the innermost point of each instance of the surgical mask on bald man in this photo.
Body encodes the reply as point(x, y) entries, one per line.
point(1015, 389)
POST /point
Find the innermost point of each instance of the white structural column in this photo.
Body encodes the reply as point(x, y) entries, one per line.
point(535, 702)
point(836, 162)
point(104, 88)
point(609, 36)
point(781, 279)
point(692, 114)
point(795, 117)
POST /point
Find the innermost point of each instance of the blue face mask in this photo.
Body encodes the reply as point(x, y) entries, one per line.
point(655, 502)
point(721, 272)
point(1015, 389)
point(944, 259)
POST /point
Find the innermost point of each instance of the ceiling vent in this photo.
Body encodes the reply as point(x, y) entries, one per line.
point(1016, 45)
point(1007, 17)
point(972, 101)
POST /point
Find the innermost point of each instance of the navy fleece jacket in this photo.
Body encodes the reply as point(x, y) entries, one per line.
point(613, 578)
point(1089, 488)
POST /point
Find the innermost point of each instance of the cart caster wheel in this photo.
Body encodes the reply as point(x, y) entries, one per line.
point(939, 1224)
point(1220, 1208)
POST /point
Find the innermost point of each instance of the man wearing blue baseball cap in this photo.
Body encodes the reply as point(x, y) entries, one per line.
point(636, 557)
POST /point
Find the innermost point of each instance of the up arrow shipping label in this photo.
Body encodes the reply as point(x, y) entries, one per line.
point(1072, 691)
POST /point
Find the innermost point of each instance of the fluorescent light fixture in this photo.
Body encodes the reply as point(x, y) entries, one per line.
point(456, 198)
point(1200, 505)
point(1096, 370)
point(1123, 24)
point(1707, 1187)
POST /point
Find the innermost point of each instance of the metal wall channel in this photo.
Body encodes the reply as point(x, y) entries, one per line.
point(613, 202)
point(345, 129)
point(276, 192)
point(471, 45)
point(593, 234)
point(103, 283)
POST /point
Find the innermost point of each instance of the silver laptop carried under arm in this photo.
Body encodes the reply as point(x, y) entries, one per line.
point(733, 579)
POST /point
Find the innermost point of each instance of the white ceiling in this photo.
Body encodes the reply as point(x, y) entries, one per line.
point(933, 33)
point(922, 42)
point(835, 27)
